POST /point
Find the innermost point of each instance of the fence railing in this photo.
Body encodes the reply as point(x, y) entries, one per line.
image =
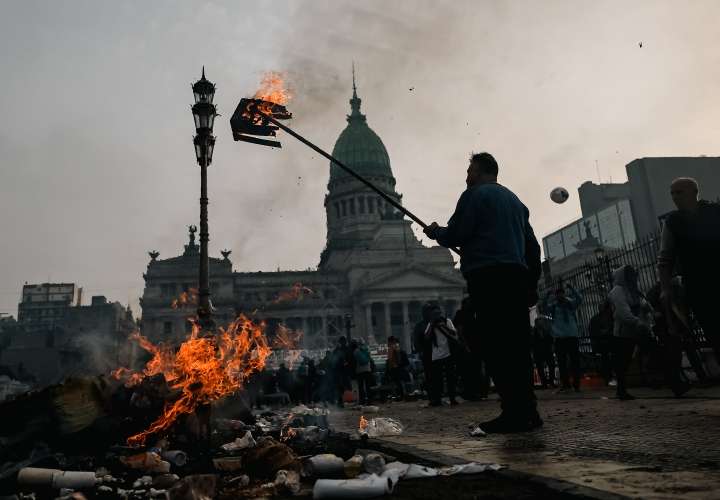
point(593, 280)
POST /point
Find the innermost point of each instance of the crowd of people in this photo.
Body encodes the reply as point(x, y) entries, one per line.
point(491, 337)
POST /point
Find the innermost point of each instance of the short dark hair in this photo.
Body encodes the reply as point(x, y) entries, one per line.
point(485, 162)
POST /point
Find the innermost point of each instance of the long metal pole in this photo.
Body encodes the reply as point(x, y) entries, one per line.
point(204, 276)
point(350, 171)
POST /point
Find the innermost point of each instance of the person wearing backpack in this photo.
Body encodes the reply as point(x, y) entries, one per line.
point(363, 372)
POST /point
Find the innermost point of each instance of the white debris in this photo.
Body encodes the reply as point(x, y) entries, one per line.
point(247, 441)
point(382, 426)
point(469, 468)
point(142, 482)
point(478, 432)
point(368, 487)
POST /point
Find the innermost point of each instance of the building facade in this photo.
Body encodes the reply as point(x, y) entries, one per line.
point(45, 305)
point(371, 281)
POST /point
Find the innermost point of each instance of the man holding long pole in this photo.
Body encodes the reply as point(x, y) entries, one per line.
point(500, 259)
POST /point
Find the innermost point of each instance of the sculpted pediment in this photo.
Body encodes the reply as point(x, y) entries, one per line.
point(406, 278)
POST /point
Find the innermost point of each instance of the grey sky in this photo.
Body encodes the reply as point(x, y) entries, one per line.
point(96, 158)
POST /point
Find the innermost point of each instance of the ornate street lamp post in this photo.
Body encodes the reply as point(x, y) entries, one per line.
point(204, 112)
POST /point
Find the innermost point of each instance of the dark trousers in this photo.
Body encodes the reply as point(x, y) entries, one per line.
point(397, 376)
point(442, 370)
point(704, 307)
point(499, 297)
point(543, 356)
point(623, 349)
point(365, 382)
point(568, 349)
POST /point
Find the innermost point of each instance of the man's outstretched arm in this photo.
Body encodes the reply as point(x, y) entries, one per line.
point(460, 226)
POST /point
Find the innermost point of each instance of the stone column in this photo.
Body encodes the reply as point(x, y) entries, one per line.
point(369, 334)
point(388, 328)
point(405, 342)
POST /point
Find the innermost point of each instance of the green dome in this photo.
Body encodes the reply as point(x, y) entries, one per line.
point(359, 147)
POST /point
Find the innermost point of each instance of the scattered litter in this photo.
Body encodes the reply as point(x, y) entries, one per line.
point(247, 441)
point(228, 464)
point(142, 482)
point(165, 481)
point(148, 461)
point(353, 466)
point(288, 480)
point(324, 466)
point(369, 487)
point(478, 432)
point(380, 426)
point(178, 458)
point(374, 463)
point(57, 478)
point(469, 468)
point(370, 409)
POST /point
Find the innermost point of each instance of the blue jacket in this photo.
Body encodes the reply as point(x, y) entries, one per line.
point(564, 320)
point(491, 226)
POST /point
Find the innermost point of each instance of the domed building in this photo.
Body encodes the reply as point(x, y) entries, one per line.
point(372, 278)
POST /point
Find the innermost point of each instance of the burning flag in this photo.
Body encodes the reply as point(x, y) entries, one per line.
point(297, 292)
point(251, 115)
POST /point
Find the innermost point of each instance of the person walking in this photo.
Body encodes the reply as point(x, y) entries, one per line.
point(631, 323)
point(566, 334)
point(443, 342)
point(341, 366)
point(421, 347)
point(395, 366)
point(690, 241)
point(500, 260)
point(363, 371)
point(543, 354)
point(601, 338)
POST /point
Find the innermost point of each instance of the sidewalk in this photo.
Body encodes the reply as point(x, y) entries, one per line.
point(654, 447)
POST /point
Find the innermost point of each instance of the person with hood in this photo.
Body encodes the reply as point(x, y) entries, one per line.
point(442, 341)
point(632, 319)
point(363, 372)
point(566, 334)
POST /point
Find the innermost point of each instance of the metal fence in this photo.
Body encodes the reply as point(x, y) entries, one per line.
point(593, 280)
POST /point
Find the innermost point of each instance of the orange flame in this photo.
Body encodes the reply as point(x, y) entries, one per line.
point(363, 424)
point(188, 298)
point(287, 338)
point(203, 369)
point(297, 292)
point(273, 88)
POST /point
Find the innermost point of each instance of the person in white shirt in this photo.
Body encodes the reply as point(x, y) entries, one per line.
point(442, 339)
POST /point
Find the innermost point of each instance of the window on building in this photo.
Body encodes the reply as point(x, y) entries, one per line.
point(352, 206)
point(188, 326)
point(343, 204)
point(167, 328)
point(371, 205)
point(361, 207)
point(337, 209)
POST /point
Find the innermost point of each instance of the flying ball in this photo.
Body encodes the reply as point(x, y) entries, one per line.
point(559, 195)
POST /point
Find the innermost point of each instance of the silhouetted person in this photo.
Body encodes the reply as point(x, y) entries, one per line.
point(420, 343)
point(363, 371)
point(395, 366)
point(673, 334)
point(631, 323)
point(341, 365)
point(601, 339)
point(566, 334)
point(691, 241)
point(500, 259)
point(543, 351)
point(443, 343)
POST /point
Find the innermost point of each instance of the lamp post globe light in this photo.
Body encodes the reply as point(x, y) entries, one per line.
point(204, 113)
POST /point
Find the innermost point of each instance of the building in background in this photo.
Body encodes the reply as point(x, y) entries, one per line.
point(371, 281)
point(44, 305)
point(618, 214)
point(58, 337)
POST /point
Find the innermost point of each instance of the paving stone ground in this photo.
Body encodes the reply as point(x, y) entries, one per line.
point(656, 446)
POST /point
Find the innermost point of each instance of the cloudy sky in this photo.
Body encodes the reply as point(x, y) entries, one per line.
point(96, 158)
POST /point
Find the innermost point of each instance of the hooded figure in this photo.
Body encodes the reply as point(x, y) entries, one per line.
point(631, 314)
